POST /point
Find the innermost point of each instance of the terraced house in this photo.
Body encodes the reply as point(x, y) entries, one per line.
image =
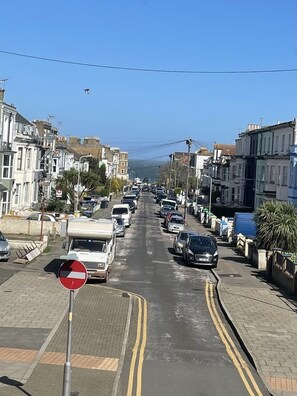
point(262, 167)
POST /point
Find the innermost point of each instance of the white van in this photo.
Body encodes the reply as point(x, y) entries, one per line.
point(123, 211)
point(169, 202)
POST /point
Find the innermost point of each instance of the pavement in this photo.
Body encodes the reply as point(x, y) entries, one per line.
point(34, 318)
point(262, 315)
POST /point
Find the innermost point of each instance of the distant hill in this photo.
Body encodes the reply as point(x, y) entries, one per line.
point(144, 168)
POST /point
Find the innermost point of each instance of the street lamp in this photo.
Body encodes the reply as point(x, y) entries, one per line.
point(210, 191)
point(197, 185)
point(171, 156)
point(78, 181)
point(188, 142)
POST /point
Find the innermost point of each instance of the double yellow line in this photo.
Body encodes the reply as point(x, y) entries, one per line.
point(139, 348)
point(238, 361)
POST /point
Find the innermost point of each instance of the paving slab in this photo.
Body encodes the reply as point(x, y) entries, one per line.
point(263, 316)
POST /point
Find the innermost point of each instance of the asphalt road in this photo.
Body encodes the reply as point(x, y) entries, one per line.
point(184, 354)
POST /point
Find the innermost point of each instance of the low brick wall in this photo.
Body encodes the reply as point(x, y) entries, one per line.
point(11, 224)
point(278, 265)
point(284, 271)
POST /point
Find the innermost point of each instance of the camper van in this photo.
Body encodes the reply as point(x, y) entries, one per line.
point(93, 242)
point(123, 211)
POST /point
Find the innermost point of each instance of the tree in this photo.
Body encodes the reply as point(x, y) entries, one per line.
point(102, 174)
point(89, 181)
point(276, 226)
point(114, 184)
point(96, 168)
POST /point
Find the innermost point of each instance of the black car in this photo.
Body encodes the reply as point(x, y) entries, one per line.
point(159, 197)
point(131, 204)
point(201, 249)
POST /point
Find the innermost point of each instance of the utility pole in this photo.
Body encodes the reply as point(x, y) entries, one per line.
point(170, 170)
point(189, 143)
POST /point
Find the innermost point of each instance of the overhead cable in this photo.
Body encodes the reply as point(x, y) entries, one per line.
point(139, 69)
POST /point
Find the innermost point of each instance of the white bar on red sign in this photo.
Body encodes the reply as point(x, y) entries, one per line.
point(72, 274)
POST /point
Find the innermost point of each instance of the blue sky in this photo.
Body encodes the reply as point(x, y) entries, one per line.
point(143, 112)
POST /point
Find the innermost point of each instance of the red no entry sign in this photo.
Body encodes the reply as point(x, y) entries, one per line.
point(72, 274)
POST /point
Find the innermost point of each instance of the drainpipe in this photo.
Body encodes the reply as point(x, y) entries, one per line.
point(8, 132)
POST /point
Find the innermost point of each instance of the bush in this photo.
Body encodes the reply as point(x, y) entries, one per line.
point(276, 224)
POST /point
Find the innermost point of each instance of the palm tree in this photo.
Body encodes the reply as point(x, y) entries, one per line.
point(276, 224)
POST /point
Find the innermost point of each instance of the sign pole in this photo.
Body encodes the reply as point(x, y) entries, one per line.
point(67, 365)
point(72, 275)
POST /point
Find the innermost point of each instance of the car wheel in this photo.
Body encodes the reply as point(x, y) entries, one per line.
point(106, 278)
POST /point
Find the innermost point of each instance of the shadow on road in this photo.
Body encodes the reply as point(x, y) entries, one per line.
point(53, 266)
point(237, 259)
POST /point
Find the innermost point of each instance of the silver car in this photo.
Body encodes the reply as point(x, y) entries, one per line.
point(4, 248)
point(180, 240)
point(120, 228)
point(176, 224)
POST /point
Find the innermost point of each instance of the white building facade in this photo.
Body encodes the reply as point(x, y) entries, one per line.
point(26, 166)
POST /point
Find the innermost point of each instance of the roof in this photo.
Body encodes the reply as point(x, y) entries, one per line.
point(227, 149)
point(22, 120)
point(91, 228)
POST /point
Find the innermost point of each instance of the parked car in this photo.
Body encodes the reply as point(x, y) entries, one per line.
point(164, 210)
point(120, 228)
point(38, 217)
point(181, 239)
point(135, 191)
point(123, 211)
point(131, 203)
point(176, 224)
point(4, 248)
point(171, 213)
point(169, 202)
point(159, 197)
point(134, 198)
point(201, 249)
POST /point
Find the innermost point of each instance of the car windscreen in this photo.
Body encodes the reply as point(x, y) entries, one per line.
point(166, 208)
point(177, 220)
point(86, 244)
point(168, 203)
point(2, 237)
point(183, 236)
point(118, 211)
point(201, 241)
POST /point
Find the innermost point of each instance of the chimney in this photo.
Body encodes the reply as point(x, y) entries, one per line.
point(2, 94)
